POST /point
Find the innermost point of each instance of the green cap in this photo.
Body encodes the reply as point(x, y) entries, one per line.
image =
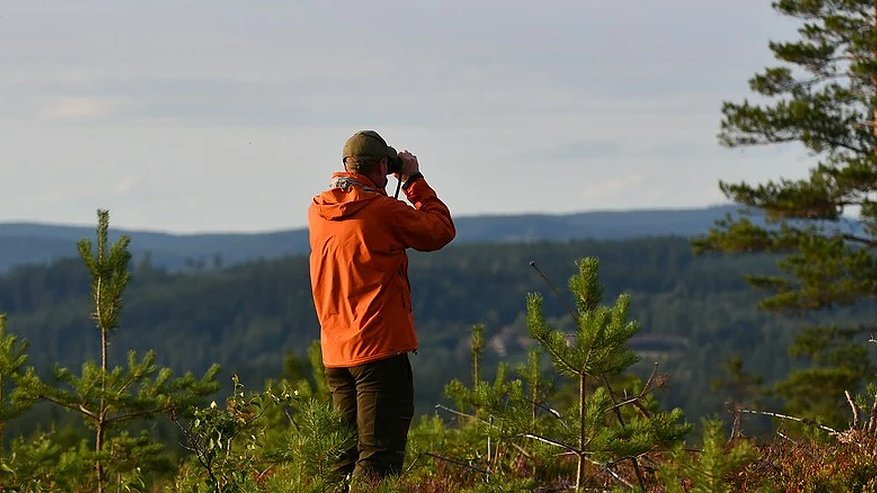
point(368, 144)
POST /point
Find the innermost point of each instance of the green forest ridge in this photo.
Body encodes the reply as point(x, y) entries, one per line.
point(696, 313)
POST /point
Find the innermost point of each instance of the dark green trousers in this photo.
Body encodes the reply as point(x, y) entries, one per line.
point(378, 400)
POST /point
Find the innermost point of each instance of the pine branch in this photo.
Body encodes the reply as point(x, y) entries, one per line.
point(842, 145)
point(139, 414)
point(135, 375)
point(635, 400)
point(620, 417)
point(557, 356)
point(73, 407)
point(858, 239)
point(124, 386)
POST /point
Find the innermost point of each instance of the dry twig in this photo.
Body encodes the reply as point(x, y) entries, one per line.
point(806, 421)
point(854, 408)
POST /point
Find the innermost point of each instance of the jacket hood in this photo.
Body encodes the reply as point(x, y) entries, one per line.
point(349, 193)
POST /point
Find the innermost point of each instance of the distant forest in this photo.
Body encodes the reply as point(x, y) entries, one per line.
point(696, 313)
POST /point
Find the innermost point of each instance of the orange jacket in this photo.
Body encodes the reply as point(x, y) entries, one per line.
point(359, 269)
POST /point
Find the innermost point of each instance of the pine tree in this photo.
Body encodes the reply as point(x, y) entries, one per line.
point(13, 357)
point(602, 426)
point(477, 347)
point(823, 96)
point(596, 351)
point(109, 398)
point(710, 472)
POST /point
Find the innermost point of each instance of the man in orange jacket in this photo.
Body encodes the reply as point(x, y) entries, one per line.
point(359, 278)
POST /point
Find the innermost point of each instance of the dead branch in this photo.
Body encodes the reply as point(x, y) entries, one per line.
point(854, 408)
point(458, 413)
point(806, 421)
point(549, 441)
point(607, 468)
point(456, 462)
point(872, 420)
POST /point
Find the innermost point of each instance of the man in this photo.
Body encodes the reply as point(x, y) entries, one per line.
point(359, 278)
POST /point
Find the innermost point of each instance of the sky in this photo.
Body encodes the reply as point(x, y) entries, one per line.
point(191, 116)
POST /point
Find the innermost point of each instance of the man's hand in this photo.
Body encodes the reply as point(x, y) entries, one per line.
point(409, 165)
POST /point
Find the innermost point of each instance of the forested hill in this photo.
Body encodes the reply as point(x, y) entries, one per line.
point(695, 312)
point(38, 243)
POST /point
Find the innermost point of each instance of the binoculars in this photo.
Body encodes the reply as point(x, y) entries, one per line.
point(394, 162)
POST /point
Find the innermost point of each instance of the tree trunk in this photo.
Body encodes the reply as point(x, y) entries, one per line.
point(101, 415)
point(2, 422)
point(874, 81)
point(580, 473)
point(102, 411)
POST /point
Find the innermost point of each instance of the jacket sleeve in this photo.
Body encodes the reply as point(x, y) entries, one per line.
point(426, 227)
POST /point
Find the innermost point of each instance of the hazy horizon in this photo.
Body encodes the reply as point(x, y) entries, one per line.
point(121, 227)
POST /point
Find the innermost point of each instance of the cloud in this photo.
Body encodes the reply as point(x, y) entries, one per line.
point(124, 185)
point(608, 190)
point(575, 151)
point(213, 98)
point(79, 108)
